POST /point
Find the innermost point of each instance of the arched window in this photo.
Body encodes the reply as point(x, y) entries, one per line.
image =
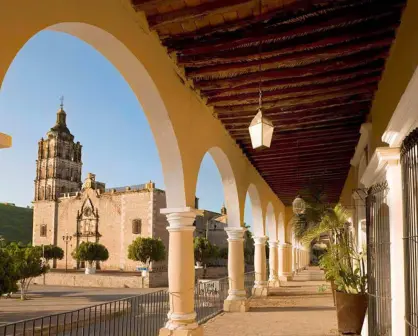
point(136, 226)
point(43, 230)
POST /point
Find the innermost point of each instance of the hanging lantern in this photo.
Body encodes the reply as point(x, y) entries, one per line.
point(298, 206)
point(261, 131)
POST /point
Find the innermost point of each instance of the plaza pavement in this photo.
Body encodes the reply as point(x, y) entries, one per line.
point(46, 300)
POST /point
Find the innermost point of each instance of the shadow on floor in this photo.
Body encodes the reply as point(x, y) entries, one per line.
point(289, 309)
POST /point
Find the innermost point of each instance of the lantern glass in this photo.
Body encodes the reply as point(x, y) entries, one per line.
point(299, 206)
point(261, 131)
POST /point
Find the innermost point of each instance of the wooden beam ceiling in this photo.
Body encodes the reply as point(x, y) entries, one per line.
point(318, 64)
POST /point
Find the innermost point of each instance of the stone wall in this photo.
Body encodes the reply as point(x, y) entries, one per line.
point(119, 280)
point(78, 279)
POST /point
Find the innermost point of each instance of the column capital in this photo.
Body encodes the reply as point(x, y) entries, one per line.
point(260, 240)
point(273, 244)
point(180, 219)
point(235, 233)
point(285, 245)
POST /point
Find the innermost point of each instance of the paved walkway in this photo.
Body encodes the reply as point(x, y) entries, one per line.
point(46, 300)
point(295, 309)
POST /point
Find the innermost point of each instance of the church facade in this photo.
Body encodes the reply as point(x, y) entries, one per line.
point(68, 212)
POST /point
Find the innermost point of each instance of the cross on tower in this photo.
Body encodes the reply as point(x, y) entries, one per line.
point(62, 101)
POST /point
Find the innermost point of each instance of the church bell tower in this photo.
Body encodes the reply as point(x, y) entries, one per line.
point(58, 167)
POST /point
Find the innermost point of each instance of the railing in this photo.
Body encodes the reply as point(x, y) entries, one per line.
point(409, 163)
point(378, 261)
point(138, 315)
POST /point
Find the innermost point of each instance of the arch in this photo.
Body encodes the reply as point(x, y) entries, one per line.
point(229, 185)
point(257, 213)
point(147, 94)
point(271, 223)
point(281, 229)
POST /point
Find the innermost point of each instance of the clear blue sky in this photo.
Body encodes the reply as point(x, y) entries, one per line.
point(102, 113)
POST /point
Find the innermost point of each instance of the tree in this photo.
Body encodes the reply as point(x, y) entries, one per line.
point(146, 250)
point(204, 250)
point(248, 246)
point(53, 252)
point(90, 252)
point(27, 264)
point(8, 277)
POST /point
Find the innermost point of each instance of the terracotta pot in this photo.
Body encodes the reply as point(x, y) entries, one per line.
point(351, 310)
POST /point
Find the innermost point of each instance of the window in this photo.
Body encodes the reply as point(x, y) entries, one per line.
point(43, 230)
point(136, 226)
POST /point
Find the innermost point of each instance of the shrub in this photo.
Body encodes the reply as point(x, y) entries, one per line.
point(52, 252)
point(146, 250)
point(89, 252)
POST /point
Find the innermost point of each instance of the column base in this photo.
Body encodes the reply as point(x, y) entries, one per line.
point(274, 283)
point(260, 291)
point(236, 306)
point(285, 277)
point(181, 332)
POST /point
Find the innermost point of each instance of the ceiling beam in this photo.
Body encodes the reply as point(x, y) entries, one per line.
point(311, 90)
point(274, 16)
point(271, 34)
point(298, 73)
point(305, 82)
point(305, 43)
point(303, 58)
point(209, 7)
point(336, 105)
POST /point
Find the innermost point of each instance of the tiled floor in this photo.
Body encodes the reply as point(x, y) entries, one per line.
point(295, 309)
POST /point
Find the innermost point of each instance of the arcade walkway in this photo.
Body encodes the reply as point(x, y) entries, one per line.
point(295, 309)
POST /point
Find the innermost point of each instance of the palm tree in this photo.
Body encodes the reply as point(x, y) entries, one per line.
point(332, 222)
point(317, 207)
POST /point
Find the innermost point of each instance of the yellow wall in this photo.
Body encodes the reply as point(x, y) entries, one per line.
point(5, 141)
point(349, 185)
point(400, 67)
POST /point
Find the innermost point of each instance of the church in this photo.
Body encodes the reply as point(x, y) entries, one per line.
point(68, 211)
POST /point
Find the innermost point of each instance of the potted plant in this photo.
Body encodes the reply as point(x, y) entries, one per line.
point(90, 252)
point(345, 267)
point(146, 250)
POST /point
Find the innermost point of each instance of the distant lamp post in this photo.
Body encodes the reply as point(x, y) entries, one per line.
point(261, 131)
point(299, 206)
point(66, 240)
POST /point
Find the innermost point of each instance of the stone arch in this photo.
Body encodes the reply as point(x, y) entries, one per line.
point(143, 86)
point(271, 223)
point(229, 185)
point(281, 229)
point(257, 213)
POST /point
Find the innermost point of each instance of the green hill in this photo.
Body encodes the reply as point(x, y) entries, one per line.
point(16, 223)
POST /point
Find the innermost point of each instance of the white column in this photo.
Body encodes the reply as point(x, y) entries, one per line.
point(260, 283)
point(237, 296)
point(274, 264)
point(181, 274)
point(397, 262)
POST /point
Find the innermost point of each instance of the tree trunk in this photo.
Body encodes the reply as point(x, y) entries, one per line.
point(22, 290)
